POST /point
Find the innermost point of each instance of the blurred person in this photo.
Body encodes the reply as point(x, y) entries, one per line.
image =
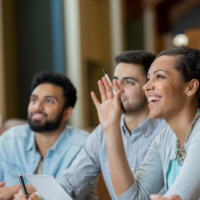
point(173, 158)
point(45, 145)
point(138, 130)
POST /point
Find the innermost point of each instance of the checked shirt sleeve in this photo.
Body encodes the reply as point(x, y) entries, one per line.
point(85, 167)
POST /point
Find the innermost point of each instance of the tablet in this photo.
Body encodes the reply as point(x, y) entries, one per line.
point(47, 187)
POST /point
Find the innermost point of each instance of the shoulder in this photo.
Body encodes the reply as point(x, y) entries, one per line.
point(76, 135)
point(165, 137)
point(16, 132)
point(195, 136)
point(159, 124)
point(16, 138)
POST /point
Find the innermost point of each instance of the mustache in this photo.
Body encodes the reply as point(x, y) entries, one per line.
point(38, 112)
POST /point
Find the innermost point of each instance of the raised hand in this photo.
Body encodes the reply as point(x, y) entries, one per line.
point(109, 111)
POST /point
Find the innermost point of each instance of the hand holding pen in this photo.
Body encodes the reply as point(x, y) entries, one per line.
point(107, 77)
point(109, 111)
point(21, 180)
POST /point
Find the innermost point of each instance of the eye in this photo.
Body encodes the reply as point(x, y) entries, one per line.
point(160, 77)
point(49, 101)
point(129, 83)
point(148, 79)
point(33, 100)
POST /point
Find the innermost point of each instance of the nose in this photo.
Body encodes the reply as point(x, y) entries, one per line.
point(148, 86)
point(39, 106)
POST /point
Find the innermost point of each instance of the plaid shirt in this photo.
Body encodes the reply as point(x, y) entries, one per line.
point(93, 158)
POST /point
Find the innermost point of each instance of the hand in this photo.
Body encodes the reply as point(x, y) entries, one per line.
point(109, 111)
point(20, 196)
point(159, 197)
point(7, 193)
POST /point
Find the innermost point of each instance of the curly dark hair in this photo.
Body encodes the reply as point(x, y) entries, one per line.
point(59, 80)
point(188, 63)
point(138, 57)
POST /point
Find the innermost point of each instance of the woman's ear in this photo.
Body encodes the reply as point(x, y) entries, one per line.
point(192, 87)
point(67, 113)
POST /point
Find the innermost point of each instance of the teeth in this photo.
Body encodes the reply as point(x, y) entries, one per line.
point(153, 99)
point(123, 99)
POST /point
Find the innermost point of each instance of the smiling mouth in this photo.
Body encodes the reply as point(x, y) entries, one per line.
point(122, 100)
point(153, 99)
point(38, 116)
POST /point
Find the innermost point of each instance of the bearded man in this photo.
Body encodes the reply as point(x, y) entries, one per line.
point(45, 145)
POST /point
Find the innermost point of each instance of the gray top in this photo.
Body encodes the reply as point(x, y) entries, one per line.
point(151, 176)
point(93, 158)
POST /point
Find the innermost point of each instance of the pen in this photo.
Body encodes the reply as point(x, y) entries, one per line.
point(21, 180)
point(122, 106)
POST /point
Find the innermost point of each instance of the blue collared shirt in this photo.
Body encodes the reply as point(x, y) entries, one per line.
point(18, 153)
point(93, 158)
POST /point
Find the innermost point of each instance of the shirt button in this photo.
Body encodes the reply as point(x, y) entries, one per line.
point(133, 145)
point(145, 135)
point(11, 172)
point(46, 164)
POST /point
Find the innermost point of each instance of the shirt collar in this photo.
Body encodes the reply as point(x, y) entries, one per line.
point(31, 141)
point(56, 147)
point(146, 127)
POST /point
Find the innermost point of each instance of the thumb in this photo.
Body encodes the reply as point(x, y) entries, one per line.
point(2, 184)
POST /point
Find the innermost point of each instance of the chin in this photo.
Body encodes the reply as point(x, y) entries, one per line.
point(154, 115)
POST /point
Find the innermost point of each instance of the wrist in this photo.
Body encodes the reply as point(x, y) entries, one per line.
point(112, 131)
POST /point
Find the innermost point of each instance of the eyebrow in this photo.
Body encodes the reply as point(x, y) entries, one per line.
point(47, 96)
point(158, 71)
point(125, 78)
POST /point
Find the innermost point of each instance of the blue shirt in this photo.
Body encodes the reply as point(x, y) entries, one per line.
point(172, 173)
point(18, 153)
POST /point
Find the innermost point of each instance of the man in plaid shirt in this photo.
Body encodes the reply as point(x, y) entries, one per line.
point(138, 130)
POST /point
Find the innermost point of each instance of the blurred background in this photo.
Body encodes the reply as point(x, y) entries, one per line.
point(80, 38)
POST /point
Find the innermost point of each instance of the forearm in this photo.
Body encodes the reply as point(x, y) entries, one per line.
point(16, 188)
point(121, 174)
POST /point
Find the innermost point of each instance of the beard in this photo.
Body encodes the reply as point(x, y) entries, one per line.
point(136, 106)
point(48, 125)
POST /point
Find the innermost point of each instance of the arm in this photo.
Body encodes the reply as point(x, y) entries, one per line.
point(149, 179)
point(84, 168)
point(7, 193)
point(187, 183)
point(159, 197)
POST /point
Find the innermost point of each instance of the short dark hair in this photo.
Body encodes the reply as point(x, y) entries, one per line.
point(138, 57)
point(188, 63)
point(59, 80)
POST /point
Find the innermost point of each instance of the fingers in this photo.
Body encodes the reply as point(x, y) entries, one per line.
point(33, 197)
point(117, 99)
point(95, 100)
point(102, 91)
point(109, 89)
point(2, 184)
point(20, 195)
point(116, 85)
point(158, 197)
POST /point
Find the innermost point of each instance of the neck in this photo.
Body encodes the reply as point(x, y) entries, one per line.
point(134, 119)
point(181, 122)
point(46, 140)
